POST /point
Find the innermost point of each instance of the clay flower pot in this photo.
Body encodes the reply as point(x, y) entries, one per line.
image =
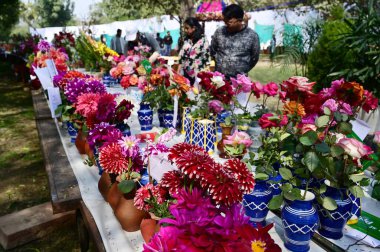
point(127, 214)
point(226, 131)
point(148, 228)
point(104, 184)
point(80, 142)
point(114, 195)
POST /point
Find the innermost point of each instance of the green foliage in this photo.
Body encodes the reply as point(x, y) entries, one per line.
point(9, 14)
point(54, 13)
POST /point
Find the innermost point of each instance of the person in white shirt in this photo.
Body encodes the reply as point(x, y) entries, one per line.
point(118, 43)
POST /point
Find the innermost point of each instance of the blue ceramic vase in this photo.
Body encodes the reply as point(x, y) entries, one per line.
point(333, 222)
point(256, 203)
point(145, 115)
point(161, 113)
point(300, 220)
point(72, 131)
point(124, 128)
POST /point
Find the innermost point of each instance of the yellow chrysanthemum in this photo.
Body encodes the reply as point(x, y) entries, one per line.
point(258, 246)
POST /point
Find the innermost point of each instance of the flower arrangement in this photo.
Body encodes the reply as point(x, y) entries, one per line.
point(48, 52)
point(102, 135)
point(321, 141)
point(66, 41)
point(237, 143)
point(78, 86)
point(225, 183)
point(62, 78)
point(196, 218)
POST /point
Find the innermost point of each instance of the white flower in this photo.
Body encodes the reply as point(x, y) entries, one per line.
point(218, 81)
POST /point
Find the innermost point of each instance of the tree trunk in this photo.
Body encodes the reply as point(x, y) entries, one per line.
point(187, 9)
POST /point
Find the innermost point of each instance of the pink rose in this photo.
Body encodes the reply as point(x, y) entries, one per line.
point(270, 89)
point(354, 148)
point(215, 106)
point(127, 70)
point(331, 104)
point(239, 137)
point(309, 119)
point(371, 102)
point(257, 89)
point(346, 109)
point(376, 139)
point(269, 120)
point(298, 83)
point(242, 83)
point(307, 127)
point(282, 95)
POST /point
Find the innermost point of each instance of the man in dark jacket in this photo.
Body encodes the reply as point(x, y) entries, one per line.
point(235, 47)
point(168, 41)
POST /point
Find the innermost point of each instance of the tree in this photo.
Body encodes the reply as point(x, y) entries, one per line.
point(54, 13)
point(9, 14)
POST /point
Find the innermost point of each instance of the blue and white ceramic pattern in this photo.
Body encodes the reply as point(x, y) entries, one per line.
point(186, 111)
point(108, 80)
point(207, 137)
point(124, 128)
point(256, 203)
point(356, 210)
point(96, 157)
point(333, 222)
point(72, 131)
point(300, 220)
point(168, 120)
point(161, 112)
point(145, 115)
point(220, 118)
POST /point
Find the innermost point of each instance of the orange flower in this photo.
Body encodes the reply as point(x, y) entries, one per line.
point(155, 79)
point(292, 107)
point(352, 92)
point(133, 80)
point(174, 92)
point(182, 82)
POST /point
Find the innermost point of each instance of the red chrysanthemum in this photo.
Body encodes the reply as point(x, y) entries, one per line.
point(223, 188)
point(112, 159)
point(194, 164)
point(173, 181)
point(180, 148)
point(239, 171)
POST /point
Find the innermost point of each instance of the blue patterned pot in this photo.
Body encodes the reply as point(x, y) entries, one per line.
point(72, 131)
point(300, 220)
point(333, 222)
point(96, 157)
point(168, 120)
point(124, 128)
point(275, 184)
point(185, 112)
point(207, 138)
point(108, 80)
point(161, 113)
point(356, 210)
point(145, 115)
point(256, 203)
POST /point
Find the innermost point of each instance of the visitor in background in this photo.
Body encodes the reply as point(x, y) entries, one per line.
point(194, 55)
point(118, 43)
point(168, 41)
point(142, 38)
point(160, 42)
point(235, 47)
point(272, 46)
point(103, 39)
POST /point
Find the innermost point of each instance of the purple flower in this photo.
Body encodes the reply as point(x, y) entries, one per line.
point(106, 107)
point(216, 106)
point(309, 119)
point(130, 146)
point(167, 136)
point(78, 86)
point(43, 46)
point(103, 134)
point(242, 83)
point(331, 104)
point(346, 109)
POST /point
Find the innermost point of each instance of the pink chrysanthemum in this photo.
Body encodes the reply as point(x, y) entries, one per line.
point(87, 104)
point(112, 159)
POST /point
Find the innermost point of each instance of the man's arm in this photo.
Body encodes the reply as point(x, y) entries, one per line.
point(214, 44)
point(255, 50)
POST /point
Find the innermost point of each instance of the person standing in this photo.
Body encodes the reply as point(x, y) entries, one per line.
point(118, 43)
point(168, 41)
point(194, 55)
point(160, 42)
point(235, 47)
point(135, 37)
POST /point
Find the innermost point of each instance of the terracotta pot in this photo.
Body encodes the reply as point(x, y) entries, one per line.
point(104, 184)
point(148, 228)
point(226, 131)
point(80, 142)
point(128, 215)
point(114, 195)
point(89, 152)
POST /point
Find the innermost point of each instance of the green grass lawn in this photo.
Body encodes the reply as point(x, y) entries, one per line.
point(265, 72)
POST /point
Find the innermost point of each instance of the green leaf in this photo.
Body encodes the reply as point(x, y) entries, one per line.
point(329, 204)
point(322, 188)
point(376, 192)
point(309, 138)
point(322, 121)
point(284, 136)
point(290, 196)
point(285, 173)
point(357, 177)
point(338, 116)
point(345, 127)
point(322, 147)
point(357, 191)
point(311, 160)
point(261, 176)
point(336, 151)
point(286, 187)
point(135, 175)
point(126, 186)
point(326, 111)
point(275, 202)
